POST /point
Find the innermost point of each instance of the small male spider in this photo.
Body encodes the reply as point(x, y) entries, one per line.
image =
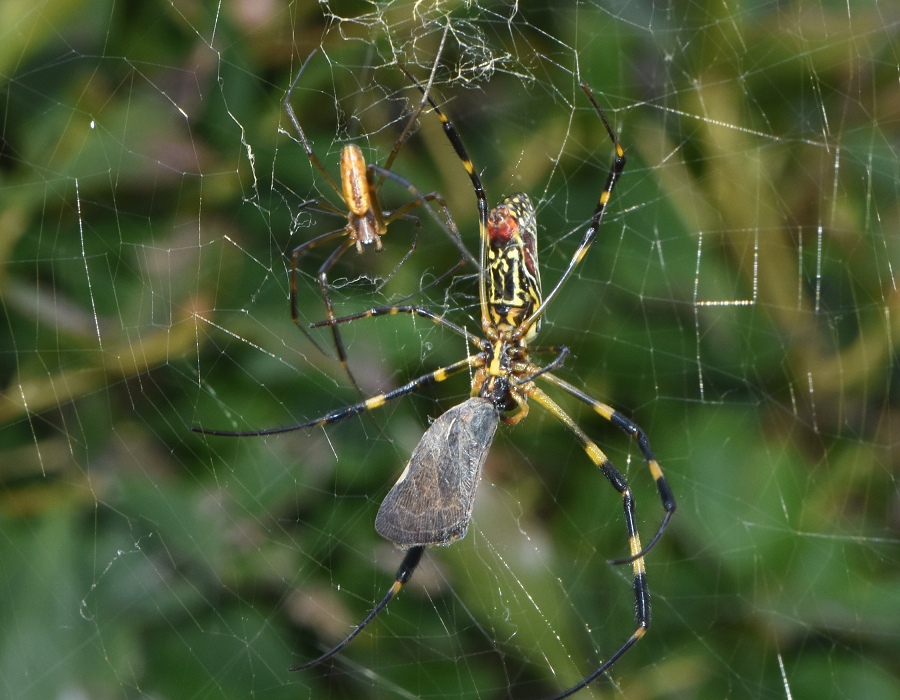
point(431, 503)
point(366, 222)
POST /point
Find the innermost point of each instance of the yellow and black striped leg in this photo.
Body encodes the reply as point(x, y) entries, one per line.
point(456, 141)
point(615, 171)
point(633, 430)
point(620, 484)
point(404, 573)
point(340, 414)
point(642, 615)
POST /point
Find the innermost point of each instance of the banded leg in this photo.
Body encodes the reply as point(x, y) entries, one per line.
point(404, 573)
point(633, 430)
point(620, 484)
point(615, 171)
point(456, 141)
point(340, 414)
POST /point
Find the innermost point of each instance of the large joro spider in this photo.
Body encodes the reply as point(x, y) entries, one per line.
point(431, 503)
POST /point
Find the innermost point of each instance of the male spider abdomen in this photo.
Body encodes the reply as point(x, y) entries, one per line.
point(431, 503)
point(364, 213)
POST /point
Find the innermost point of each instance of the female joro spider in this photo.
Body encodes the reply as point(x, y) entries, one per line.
point(431, 503)
point(366, 222)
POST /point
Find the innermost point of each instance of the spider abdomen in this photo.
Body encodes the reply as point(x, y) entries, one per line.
point(514, 289)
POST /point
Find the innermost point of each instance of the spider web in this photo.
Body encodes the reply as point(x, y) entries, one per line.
point(740, 303)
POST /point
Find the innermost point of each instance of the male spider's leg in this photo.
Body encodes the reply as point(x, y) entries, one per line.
point(340, 414)
point(632, 429)
point(296, 254)
point(620, 484)
point(322, 276)
point(433, 283)
point(418, 110)
point(400, 212)
point(322, 206)
point(404, 573)
point(615, 171)
point(412, 310)
point(415, 242)
point(303, 140)
point(449, 228)
point(403, 213)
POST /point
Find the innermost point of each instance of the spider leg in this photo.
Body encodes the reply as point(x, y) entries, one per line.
point(296, 254)
point(412, 310)
point(433, 283)
point(449, 227)
point(393, 216)
point(322, 206)
point(606, 665)
point(456, 141)
point(615, 171)
point(307, 147)
point(403, 213)
point(340, 414)
point(322, 276)
point(404, 573)
point(620, 484)
point(630, 428)
point(562, 352)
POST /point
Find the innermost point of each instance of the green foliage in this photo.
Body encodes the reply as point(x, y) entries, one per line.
point(739, 303)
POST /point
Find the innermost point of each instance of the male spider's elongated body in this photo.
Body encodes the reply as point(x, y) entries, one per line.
point(431, 503)
point(366, 222)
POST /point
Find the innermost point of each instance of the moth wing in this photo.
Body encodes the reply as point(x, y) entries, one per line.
point(431, 503)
